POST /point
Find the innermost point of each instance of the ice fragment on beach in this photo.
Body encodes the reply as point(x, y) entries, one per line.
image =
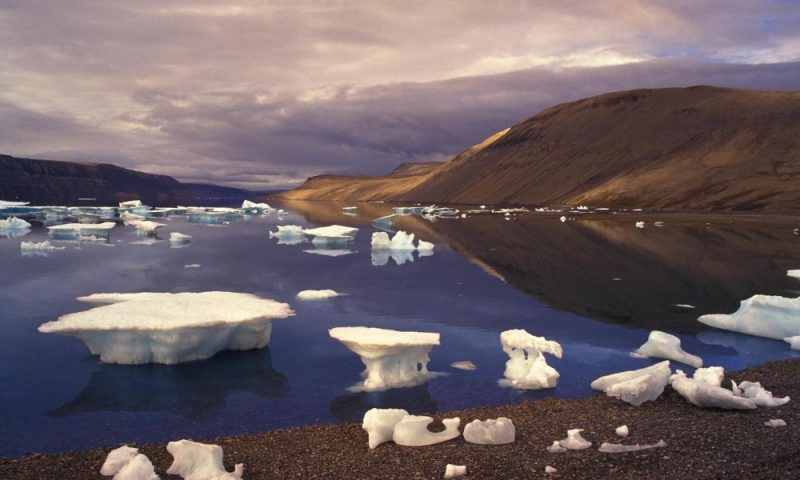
point(125, 463)
point(464, 365)
point(758, 394)
point(169, 328)
point(574, 440)
point(769, 316)
point(636, 386)
point(639, 224)
point(619, 448)
point(412, 431)
point(707, 396)
point(317, 294)
point(454, 471)
point(199, 461)
point(775, 422)
point(392, 358)
point(549, 469)
point(622, 431)
point(490, 432)
point(563, 219)
point(710, 376)
point(794, 342)
point(664, 345)
point(379, 424)
point(527, 367)
point(556, 447)
point(13, 223)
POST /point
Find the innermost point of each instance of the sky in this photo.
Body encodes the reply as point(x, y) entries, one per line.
point(261, 95)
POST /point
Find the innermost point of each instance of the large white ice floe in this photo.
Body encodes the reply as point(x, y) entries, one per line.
point(81, 229)
point(253, 207)
point(392, 358)
point(403, 241)
point(636, 386)
point(490, 432)
point(380, 241)
point(13, 223)
point(126, 463)
point(379, 424)
point(527, 368)
point(708, 396)
point(769, 316)
point(169, 328)
point(332, 231)
point(199, 461)
point(412, 431)
point(317, 294)
point(758, 394)
point(663, 345)
point(454, 471)
point(574, 440)
point(619, 448)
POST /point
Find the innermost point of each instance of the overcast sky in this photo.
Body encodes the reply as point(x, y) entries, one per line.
point(263, 94)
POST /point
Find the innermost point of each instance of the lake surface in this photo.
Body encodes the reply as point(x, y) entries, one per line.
point(596, 286)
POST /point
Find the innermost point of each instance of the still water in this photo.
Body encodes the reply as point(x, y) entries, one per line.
point(596, 286)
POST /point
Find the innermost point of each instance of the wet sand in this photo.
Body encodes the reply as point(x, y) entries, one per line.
point(701, 444)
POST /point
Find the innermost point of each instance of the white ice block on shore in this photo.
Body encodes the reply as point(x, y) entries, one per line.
point(379, 424)
point(490, 432)
point(636, 386)
point(412, 431)
point(199, 461)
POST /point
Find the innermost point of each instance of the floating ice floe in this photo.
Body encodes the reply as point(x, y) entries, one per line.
point(412, 431)
point(464, 365)
point(403, 241)
point(556, 447)
point(289, 234)
point(708, 396)
point(636, 386)
point(574, 440)
point(199, 461)
point(72, 230)
point(639, 224)
point(44, 246)
point(527, 367)
point(129, 217)
point(710, 376)
point(317, 294)
point(14, 223)
point(170, 328)
point(793, 273)
point(490, 432)
point(380, 241)
point(664, 345)
point(392, 358)
point(257, 208)
point(622, 431)
point(177, 237)
point(454, 471)
point(384, 223)
point(794, 342)
point(332, 231)
point(619, 448)
point(423, 246)
point(126, 463)
point(379, 424)
point(775, 422)
point(769, 316)
point(12, 203)
point(758, 394)
point(147, 227)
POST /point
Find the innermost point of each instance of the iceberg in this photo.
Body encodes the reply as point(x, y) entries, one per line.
point(707, 396)
point(256, 208)
point(198, 461)
point(317, 294)
point(622, 431)
point(574, 440)
point(769, 316)
point(380, 241)
point(664, 345)
point(392, 358)
point(454, 471)
point(14, 223)
point(490, 432)
point(619, 448)
point(379, 424)
point(412, 431)
point(636, 386)
point(170, 328)
point(758, 394)
point(126, 463)
point(332, 231)
point(527, 367)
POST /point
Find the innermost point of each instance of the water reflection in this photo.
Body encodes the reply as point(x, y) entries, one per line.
point(752, 350)
point(351, 407)
point(194, 391)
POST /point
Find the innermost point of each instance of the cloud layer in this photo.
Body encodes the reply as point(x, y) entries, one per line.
point(257, 95)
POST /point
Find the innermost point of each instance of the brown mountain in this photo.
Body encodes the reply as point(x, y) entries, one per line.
point(697, 148)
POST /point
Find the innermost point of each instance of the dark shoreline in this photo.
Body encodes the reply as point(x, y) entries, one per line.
point(701, 443)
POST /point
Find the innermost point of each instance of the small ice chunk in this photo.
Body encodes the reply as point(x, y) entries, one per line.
point(131, 204)
point(490, 432)
point(574, 440)
point(563, 219)
point(128, 216)
point(423, 246)
point(454, 471)
point(199, 461)
point(380, 241)
point(145, 226)
point(464, 365)
point(412, 431)
point(684, 305)
point(639, 224)
point(117, 459)
point(622, 431)
point(556, 447)
point(379, 424)
point(332, 231)
point(775, 422)
point(403, 241)
point(125, 463)
point(192, 265)
point(619, 448)
point(758, 394)
point(794, 342)
point(769, 316)
point(710, 376)
point(317, 294)
point(707, 396)
point(549, 469)
point(45, 246)
point(636, 386)
point(13, 223)
point(664, 345)
point(177, 237)
point(527, 367)
point(392, 358)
